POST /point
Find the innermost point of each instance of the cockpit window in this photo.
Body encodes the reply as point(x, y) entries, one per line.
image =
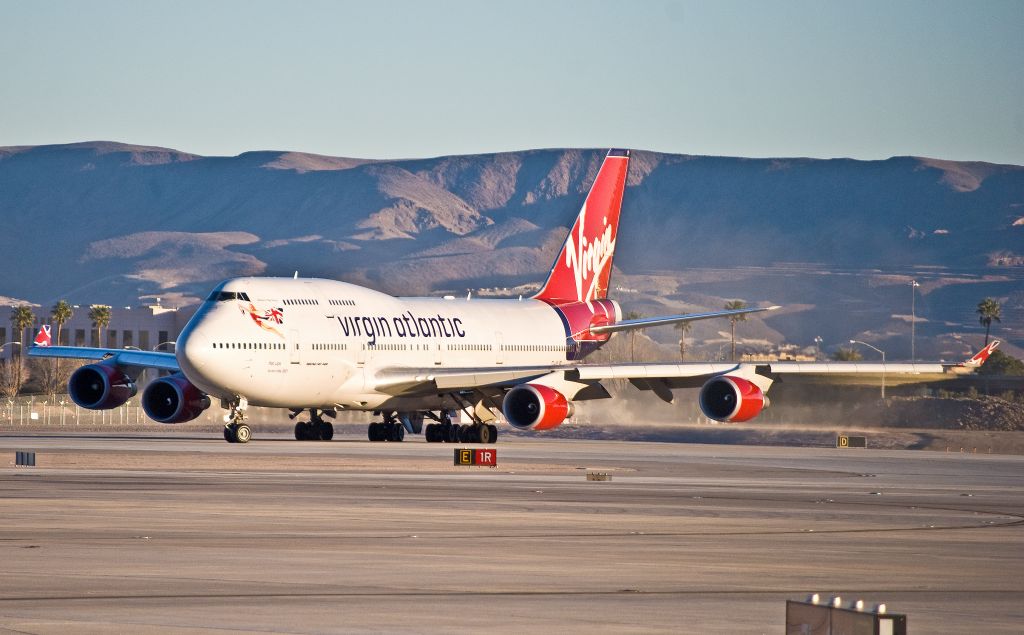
point(223, 296)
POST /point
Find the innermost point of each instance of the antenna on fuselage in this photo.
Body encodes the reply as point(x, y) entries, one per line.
point(296, 276)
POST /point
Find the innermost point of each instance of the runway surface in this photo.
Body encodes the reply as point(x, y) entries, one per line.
point(165, 533)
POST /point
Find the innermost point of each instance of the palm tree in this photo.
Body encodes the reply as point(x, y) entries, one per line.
point(734, 305)
point(100, 316)
point(22, 317)
point(683, 328)
point(62, 312)
point(988, 310)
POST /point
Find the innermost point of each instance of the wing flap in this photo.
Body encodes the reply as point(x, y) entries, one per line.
point(405, 381)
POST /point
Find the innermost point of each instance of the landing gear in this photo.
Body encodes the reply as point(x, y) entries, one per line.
point(237, 433)
point(448, 432)
point(235, 430)
point(388, 430)
point(316, 429)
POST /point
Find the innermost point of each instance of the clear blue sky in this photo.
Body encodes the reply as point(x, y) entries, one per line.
point(860, 79)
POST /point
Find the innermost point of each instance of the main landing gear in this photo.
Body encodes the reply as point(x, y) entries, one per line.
point(447, 432)
point(235, 430)
point(316, 429)
point(391, 429)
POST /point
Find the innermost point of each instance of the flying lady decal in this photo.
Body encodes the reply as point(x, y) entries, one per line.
point(264, 319)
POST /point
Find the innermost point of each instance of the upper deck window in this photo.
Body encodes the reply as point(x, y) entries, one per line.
point(223, 296)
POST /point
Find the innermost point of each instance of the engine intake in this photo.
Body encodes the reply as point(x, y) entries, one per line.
point(728, 398)
point(173, 399)
point(100, 386)
point(535, 407)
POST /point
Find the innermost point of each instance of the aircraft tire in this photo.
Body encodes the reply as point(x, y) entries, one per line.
point(453, 433)
point(229, 434)
point(487, 433)
point(242, 433)
point(377, 431)
point(494, 433)
point(300, 431)
point(394, 432)
point(326, 430)
point(430, 433)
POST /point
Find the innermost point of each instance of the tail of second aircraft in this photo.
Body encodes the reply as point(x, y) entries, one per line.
point(583, 268)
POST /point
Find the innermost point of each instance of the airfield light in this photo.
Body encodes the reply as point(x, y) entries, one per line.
point(814, 598)
point(837, 601)
point(880, 609)
point(859, 605)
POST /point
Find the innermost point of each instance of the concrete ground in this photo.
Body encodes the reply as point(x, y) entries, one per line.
point(166, 534)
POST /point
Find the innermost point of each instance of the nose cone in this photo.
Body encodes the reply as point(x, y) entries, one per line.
point(193, 352)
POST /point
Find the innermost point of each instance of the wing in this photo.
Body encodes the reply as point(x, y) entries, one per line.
point(124, 357)
point(662, 378)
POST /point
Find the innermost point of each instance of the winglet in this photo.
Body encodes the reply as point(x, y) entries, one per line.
point(43, 336)
point(981, 356)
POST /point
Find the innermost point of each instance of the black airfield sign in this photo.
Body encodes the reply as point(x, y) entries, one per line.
point(844, 441)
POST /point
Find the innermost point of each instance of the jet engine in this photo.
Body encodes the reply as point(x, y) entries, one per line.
point(729, 398)
point(535, 407)
point(100, 386)
point(173, 399)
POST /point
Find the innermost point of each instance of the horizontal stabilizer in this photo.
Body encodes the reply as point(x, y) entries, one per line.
point(642, 323)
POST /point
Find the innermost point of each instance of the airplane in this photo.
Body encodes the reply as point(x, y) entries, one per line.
point(324, 346)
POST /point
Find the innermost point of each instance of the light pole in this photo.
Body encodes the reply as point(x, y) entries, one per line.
point(817, 347)
point(875, 348)
point(913, 320)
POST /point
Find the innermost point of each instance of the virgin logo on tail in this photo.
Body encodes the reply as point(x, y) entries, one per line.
point(43, 336)
point(589, 258)
point(982, 356)
point(583, 269)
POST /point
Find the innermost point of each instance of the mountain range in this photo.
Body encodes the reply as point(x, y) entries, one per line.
point(835, 241)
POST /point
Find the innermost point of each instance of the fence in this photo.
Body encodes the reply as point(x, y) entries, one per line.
point(40, 414)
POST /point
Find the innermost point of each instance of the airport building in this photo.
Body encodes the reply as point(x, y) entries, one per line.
point(148, 328)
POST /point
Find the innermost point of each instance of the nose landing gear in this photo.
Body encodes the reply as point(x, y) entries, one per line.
point(235, 430)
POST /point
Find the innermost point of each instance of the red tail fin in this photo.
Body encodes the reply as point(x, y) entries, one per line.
point(43, 336)
point(583, 269)
point(982, 356)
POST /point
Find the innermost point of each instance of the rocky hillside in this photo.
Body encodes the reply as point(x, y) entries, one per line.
point(836, 241)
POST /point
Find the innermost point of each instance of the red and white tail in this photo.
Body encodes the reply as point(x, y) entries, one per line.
point(981, 356)
point(583, 269)
point(43, 336)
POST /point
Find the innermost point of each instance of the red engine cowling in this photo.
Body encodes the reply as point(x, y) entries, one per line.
point(100, 386)
point(173, 399)
point(535, 407)
point(728, 398)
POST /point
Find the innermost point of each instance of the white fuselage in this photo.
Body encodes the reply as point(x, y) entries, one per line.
point(313, 343)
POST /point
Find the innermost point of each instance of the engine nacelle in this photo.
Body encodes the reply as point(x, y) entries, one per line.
point(728, 398)
point(535, 407)
point(100, 386)
point(173, 399)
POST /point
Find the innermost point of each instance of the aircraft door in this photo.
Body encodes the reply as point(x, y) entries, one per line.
point(294, 352)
